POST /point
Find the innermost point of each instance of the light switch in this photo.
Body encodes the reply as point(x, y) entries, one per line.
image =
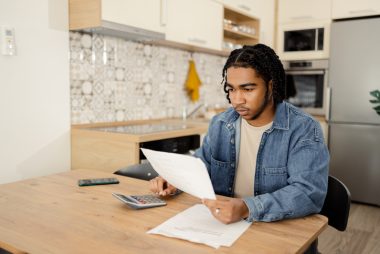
point(8, 43)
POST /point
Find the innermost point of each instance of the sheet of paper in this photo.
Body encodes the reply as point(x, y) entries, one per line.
point(185, 172)
point(196, 224)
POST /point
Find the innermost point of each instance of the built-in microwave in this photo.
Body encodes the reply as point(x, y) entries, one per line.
point(306, 85)
point(304, 41)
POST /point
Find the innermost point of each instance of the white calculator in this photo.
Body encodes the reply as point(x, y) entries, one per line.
point(140, 201)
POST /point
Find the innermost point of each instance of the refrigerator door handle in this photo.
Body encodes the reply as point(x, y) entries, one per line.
point(328, 102)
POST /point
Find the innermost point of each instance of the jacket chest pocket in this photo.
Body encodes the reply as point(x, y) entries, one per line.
point(219, 174)
point(274, 178)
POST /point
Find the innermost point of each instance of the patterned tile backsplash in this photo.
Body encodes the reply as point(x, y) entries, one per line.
point(114, 79)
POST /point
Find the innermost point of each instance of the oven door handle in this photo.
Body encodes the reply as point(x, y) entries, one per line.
point(309, 72)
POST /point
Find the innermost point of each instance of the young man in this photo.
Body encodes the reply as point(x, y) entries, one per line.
point(267, 157)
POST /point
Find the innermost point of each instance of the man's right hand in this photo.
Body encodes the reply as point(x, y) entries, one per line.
point(161, 187)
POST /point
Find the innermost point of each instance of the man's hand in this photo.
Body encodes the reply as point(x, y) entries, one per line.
point(227, 210)
point(161, 187)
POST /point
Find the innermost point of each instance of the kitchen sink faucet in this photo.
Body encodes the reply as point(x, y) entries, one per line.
point(186, 115)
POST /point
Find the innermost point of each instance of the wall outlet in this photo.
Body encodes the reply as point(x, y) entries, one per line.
point(8, 43)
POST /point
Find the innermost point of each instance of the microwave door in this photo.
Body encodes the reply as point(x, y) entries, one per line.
point(300, 40)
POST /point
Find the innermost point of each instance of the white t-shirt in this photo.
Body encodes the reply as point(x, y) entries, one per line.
point(250, 138)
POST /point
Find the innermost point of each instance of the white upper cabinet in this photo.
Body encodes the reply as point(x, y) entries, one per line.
point(146, 14)
point(354, 8)
point(196, 22)
point(295, 11)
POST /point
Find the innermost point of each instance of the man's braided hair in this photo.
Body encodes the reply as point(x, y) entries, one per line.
point(264, 61)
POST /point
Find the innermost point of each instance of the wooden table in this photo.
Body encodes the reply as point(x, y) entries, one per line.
point(52, 214)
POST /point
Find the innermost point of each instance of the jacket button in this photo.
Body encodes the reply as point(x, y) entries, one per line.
point(232, 164)
point(256, 193)
point(232, 140)
point(230, 189)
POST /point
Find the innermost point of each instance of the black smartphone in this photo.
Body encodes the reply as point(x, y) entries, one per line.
point(97, 181)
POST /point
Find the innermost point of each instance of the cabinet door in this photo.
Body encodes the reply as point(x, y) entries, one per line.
point(325, 129)
point(354, 8)
point(265, 11)
point(248, 7)
point(144, 14)
point(197, 22)
point(290, 11)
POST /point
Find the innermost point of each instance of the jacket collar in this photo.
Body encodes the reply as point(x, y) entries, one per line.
point(229, 116)
point(281, 118)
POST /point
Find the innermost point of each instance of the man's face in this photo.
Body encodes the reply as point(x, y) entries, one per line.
point(249, 94)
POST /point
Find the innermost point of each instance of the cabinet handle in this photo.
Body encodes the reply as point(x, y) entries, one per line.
point(302, 17)
point(164, 12)
point(196, 40)
point(244, 7)
point(362, 11)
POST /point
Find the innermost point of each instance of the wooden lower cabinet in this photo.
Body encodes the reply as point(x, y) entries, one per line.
point(102, 151)
point(92, 148)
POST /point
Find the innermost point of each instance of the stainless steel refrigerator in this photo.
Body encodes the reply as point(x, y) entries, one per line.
point(354, 126)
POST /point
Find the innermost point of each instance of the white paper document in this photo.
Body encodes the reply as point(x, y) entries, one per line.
point(196, 224)
point(185, 172)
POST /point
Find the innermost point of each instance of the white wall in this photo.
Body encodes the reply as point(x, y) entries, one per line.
point(34, 90)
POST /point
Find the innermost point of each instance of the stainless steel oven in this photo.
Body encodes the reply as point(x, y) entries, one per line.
point(306, 85)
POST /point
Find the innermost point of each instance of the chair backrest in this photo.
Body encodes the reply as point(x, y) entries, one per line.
point(142, 171)
point(337, 204)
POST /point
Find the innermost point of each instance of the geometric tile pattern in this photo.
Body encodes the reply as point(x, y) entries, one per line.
point(113, 79)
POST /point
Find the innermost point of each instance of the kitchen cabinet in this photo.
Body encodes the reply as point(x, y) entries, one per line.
point(324, 126)
point(198, 23)
point(353, 8)
point(145, 14)
point(295, 11)
point(239, 29)
point(112, 146)
point(259, 10)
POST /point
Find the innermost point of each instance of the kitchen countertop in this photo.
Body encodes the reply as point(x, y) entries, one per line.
point(152, 129)
point(148, 130)
point(141, 129)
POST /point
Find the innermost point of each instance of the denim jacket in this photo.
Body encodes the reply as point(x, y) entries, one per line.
point(291, 168)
